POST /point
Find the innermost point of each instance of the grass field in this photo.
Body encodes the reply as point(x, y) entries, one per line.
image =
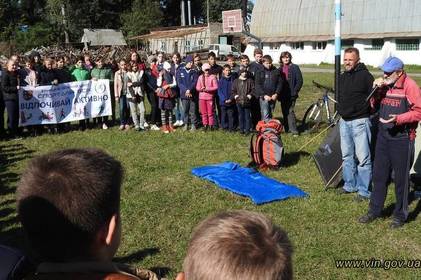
point(162, 201)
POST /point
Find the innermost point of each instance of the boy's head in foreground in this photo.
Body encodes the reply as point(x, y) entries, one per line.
point(238, 245)
point(69, 205)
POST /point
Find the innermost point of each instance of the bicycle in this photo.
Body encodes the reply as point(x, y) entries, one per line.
point(313, 116)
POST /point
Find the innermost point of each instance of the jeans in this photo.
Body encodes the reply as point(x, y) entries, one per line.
point(266, 108)
point(227, 117)
point(123, 110)
point(135, 109)
point(179, 110)
point(356, 156)
point(244, 118)
point(189, 106)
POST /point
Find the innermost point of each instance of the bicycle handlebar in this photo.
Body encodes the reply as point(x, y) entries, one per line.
point(323, 87)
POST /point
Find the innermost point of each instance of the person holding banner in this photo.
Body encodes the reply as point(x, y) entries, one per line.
point(10, 87)
point(79, 73)
point(101, 72)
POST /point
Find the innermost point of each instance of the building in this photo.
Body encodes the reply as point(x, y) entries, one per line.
point(102, 37)
point(180, 39)
point(378, 28)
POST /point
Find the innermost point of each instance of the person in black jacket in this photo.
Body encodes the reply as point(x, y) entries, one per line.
point(10, 86)
point(1, 108)
point(355, 127)
point(48, 75)
point(268, 84)
point(293, 83)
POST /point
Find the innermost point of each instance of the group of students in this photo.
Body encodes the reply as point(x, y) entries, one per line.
point(75, 233)
point(197, 95)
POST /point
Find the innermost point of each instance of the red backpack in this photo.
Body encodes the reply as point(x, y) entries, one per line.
point(266, 148)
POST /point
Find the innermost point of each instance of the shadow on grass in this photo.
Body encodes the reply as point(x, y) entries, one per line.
point(291, 159)
point(161, 271)
point(388, 211)
point(137, 256)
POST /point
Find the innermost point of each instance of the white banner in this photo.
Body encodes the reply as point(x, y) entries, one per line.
point(65, 102)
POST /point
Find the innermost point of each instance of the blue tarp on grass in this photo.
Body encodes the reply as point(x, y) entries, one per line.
point(247, 182)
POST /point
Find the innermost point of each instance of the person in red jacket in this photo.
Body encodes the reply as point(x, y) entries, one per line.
point(399, 99)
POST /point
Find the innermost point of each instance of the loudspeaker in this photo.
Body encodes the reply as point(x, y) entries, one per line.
point(328, 158)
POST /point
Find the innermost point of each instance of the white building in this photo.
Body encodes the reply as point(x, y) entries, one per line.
point(378, 28)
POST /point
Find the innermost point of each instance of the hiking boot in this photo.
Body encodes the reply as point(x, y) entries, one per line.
point(396, 223)
point(360, 198)
point(367, 218)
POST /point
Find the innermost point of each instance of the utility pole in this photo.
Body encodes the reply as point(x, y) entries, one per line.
point(207, 12)
point(338, 15)
point(66, 35)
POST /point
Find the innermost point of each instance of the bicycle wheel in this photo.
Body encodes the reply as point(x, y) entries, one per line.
point(312, 117)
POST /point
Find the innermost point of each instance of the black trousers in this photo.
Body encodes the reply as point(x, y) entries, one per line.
point(396, 155)
point(227, 117)
point(288, 113)
point(255, 112)
point(155, 112)
point(12, 107)
point(2, 131)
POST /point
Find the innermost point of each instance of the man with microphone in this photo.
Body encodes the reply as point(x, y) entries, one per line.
point(399, 99)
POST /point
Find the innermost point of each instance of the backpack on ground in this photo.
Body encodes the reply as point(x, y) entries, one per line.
point(266, 148)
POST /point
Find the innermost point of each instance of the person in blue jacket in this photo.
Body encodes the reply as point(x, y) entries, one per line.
point(186, 80)
point(225, 102)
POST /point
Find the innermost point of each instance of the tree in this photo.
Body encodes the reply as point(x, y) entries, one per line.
point(143, 16)
point(216, 7)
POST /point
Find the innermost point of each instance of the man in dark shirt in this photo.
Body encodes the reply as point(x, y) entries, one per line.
point(355, 126)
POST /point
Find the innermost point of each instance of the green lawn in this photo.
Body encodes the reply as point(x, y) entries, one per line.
point(162, 201)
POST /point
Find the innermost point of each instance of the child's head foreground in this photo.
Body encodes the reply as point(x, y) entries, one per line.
point(238, 245)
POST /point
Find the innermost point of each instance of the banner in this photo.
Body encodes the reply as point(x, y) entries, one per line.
point(65, 102)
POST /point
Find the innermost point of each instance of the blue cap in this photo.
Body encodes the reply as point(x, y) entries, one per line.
point(392, 64)
point(188, 59)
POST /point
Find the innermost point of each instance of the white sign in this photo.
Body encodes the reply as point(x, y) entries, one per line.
point(65, 102)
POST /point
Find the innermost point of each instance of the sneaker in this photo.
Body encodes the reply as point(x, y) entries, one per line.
point(177, 123)
point(121, 127)
point(104, 126)
point(127, 127)
point(295, 134)
point(141, 128)
point(186, 127)
point(164, 128)
point(396, 223)
point(360, 198)
point(136, 127)
point(155, 127)
point(180, 123)
point(367, 218)
point(146, 125)
point(193, 127)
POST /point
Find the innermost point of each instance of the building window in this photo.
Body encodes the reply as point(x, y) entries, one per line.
point(163, 46)
point(187, 46)
point(319, 45)
point(347, 44)
point(407, 44)
point(297, 46)
point(376, 44)
point(275, 46)
point(200, 44)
